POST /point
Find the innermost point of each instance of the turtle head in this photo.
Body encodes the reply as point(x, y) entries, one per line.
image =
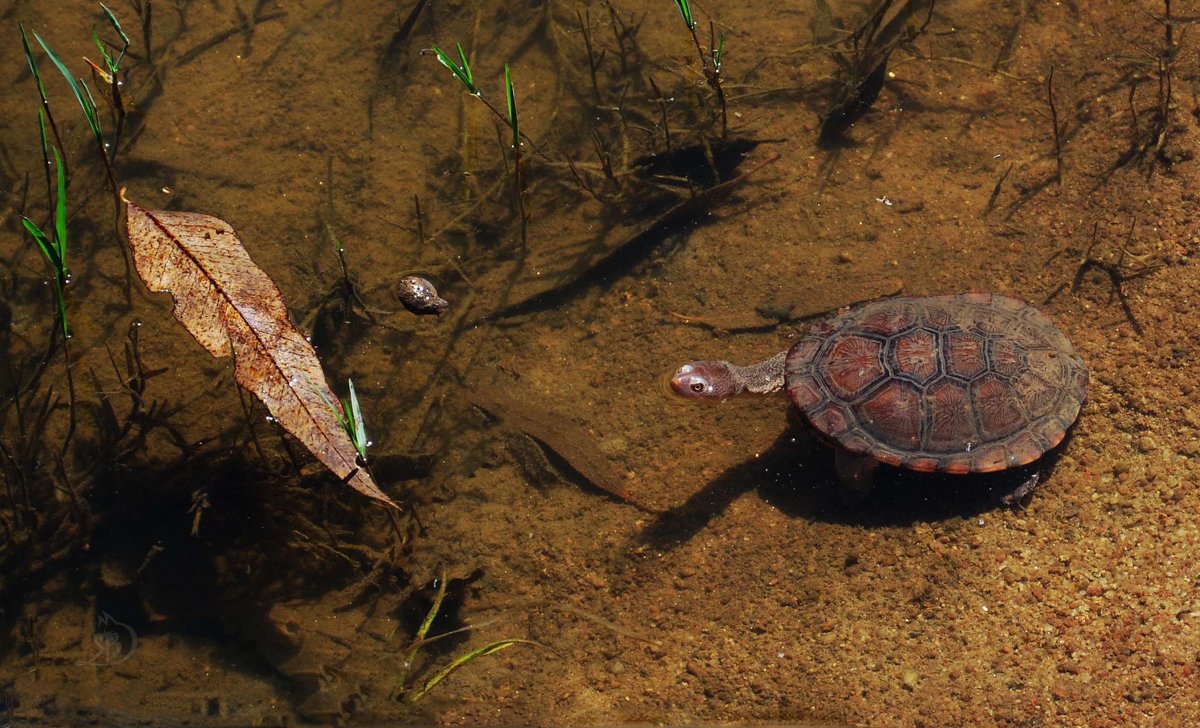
point(706, 380)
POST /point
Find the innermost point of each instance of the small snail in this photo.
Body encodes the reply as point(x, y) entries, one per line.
point(420, 297)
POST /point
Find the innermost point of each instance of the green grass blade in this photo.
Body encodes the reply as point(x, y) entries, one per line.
point(62, 67)
point(116, 24)
point(60, 218)
point(462, 660)
point(89, 110)
point(108, 61)
point(354, 415)
point(84, 99)
point(338, 248)
point(512, 108)
point(685, 9)
point(423, 630)
point(48, 248)
point(343, 415)
point(50, 251)
point(462, 73)
point(466, 67)
point(37, 76)
point(360, 427)
point(433, 609)
point(115, 66)
point(42, 136)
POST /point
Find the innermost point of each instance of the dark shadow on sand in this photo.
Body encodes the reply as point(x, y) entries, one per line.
point(797, 476)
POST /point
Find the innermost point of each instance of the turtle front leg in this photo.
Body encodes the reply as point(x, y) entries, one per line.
point(1018, 494)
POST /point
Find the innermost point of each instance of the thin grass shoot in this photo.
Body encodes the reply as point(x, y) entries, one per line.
point(423, 630)
point(462, 660)
point(353, 422)
point(461, 70)
point(49, 118)
point(79, 88)
point(685, 9)
point(513, 123)
point(54, 246)
point(113, 65)
point(37, 75)
point(710, 64)
point(349, 416)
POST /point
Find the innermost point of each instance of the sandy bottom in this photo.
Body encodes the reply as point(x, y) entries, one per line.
point(665, 562)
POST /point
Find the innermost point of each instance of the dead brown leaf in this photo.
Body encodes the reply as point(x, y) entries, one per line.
point(230, 305)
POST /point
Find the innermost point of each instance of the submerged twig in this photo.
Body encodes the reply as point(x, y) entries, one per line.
point(1117, 272)
point(1054, 123)
point(991, 203)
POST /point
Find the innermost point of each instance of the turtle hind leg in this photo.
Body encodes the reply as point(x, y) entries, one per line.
point(1018, 494)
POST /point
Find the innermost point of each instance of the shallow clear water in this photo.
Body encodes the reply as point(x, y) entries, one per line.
point(167, 556)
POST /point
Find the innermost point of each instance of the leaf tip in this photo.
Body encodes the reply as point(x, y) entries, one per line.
point(131, 206)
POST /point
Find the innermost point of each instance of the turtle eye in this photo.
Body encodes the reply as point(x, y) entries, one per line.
point(698, 387)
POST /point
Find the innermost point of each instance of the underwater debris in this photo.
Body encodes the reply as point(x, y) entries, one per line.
point(874, 43)
point(232, 307)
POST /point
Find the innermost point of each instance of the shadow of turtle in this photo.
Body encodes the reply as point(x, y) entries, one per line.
point(796, 475)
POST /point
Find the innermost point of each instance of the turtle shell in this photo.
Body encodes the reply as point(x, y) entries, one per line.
point(965, 383)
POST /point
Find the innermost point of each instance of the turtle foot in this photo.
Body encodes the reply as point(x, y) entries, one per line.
point(1017, 496)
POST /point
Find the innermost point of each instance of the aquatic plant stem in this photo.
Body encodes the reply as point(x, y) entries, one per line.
point(585, 21)
point(459, 73)
point(49, 116)
point(87, 103)
point(1054, 122)
point(1166, 63)
point(519, 189)
point(710, 64)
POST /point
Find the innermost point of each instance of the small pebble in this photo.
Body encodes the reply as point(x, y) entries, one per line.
point(1146, 443)
point(420, 297)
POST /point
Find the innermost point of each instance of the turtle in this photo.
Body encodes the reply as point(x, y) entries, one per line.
point(959, 383)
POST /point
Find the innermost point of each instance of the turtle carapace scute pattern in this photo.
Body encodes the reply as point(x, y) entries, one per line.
point(963, 383)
